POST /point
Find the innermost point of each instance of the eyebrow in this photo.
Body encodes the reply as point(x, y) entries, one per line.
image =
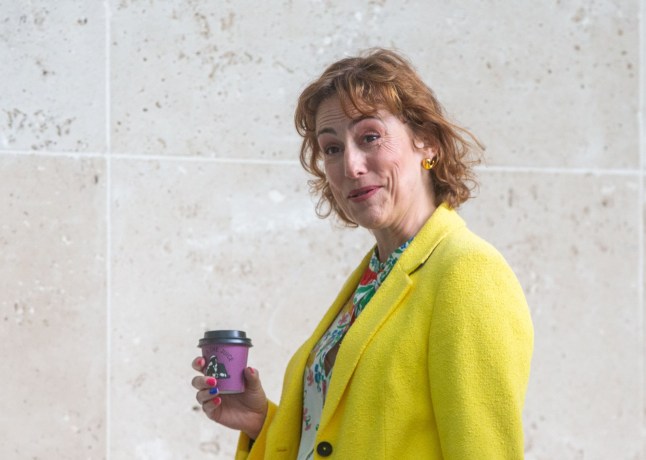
point(350, 125)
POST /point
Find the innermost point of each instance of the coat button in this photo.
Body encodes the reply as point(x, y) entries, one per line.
point(324, 449)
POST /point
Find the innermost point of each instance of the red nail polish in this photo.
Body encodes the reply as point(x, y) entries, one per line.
point(210, 381)
point(217, 400)
point(251, 371)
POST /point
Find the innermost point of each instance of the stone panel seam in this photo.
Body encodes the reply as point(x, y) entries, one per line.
point(640, 223)
point(108, 258)
point(255, 161)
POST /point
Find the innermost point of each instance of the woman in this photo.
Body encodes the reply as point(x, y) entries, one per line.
point(425, 353)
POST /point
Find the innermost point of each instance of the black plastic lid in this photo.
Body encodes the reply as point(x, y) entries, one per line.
point(233, 337)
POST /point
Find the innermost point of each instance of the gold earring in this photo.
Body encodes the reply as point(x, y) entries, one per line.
point(428, 163)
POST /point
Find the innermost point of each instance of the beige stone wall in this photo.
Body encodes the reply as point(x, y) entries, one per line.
point(150, 189)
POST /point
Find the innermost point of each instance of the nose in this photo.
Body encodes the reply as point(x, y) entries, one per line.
point(354, 161)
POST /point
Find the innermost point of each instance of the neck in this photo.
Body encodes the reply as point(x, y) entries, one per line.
point(390, 239)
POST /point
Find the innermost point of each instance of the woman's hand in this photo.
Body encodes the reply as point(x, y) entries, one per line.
point(243, 411)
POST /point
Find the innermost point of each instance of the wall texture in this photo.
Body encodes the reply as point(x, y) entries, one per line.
point(149, 190)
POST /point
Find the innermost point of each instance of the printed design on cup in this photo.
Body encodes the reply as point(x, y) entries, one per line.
point(216, 369)
point(225, 352)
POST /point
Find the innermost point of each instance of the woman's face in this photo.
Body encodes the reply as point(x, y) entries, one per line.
point(374, 169)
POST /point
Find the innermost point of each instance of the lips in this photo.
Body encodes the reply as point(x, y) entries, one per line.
point(362, 193)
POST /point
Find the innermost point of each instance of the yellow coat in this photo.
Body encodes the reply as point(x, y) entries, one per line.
point(436, 366)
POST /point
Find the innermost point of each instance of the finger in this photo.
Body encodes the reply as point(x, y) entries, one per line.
point(252, 379)
point(206, 396)
point(199, 363)
point(211, 407)
point(200, 382)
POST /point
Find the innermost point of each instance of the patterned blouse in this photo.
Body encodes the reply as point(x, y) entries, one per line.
point(318, 370)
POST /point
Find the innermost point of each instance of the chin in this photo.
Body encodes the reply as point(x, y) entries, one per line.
point(369, 223)
point(370, 218)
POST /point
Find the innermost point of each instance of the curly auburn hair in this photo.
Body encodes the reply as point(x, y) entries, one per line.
point(383, 79)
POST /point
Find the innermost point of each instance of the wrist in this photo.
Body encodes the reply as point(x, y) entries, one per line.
point(254, 432)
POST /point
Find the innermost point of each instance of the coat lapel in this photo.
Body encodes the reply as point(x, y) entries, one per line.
point(286, 434)
point(386, 300)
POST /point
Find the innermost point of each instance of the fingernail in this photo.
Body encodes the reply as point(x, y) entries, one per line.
point(252, 371)
point(201, 362)
point(210, 381)
point(214, 391)
point(217, 400)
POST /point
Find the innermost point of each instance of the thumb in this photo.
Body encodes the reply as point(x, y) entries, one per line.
point(252, 378)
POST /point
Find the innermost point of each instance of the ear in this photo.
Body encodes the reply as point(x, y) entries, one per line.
point(427, 150)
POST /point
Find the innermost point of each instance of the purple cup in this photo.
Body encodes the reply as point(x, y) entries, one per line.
point(225, 353)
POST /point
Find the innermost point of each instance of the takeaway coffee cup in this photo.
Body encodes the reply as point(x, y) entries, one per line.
point(225, 353)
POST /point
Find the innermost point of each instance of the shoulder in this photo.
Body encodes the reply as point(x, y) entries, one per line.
point(462, 250)
point(472, 278)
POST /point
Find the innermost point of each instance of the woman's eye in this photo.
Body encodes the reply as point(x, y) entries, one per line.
point(331, 150)
point(369, 138)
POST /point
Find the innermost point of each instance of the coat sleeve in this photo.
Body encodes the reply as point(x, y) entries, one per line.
point(245, 451)
point(480, 347)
